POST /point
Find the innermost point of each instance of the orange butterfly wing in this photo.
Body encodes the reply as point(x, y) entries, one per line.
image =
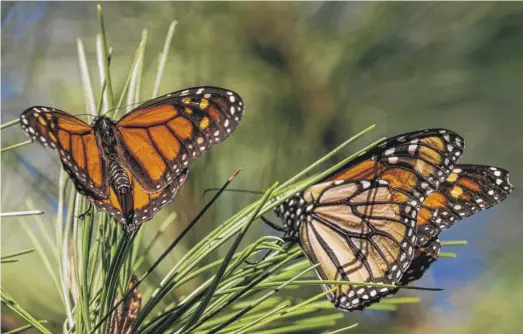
point(75, 143)
point(467, 190)
point(162, 137)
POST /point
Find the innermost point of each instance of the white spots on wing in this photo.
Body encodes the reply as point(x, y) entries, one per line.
point(32, 131)
point(450, 148)
point(232, 110)
point(392, 160)
point(390, 151)
point(25, 121)
point(493, 168)
point(185, 92)
point(497, 173)
point(365, 184)
point(226, 123)
point(199, 91)
point(499, 181)
point(232, 98)
point(412, 149)
point(230, 93)
point(217, 133)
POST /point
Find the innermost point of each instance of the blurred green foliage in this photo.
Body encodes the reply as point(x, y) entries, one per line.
point(311, 75)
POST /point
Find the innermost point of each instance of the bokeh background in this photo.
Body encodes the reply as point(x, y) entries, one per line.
point(311, 74)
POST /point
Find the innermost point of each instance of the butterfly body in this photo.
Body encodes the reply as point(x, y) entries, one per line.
point(134, 166)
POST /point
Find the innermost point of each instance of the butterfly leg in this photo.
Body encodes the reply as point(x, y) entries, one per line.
point(86, 213)
point(277, 228)
point(271, 224)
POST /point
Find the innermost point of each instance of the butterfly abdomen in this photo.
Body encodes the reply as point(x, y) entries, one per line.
point(121, 185)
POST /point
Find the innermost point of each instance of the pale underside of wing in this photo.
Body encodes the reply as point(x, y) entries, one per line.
point(358, 231)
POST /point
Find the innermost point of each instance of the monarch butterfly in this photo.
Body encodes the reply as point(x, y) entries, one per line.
point(467, 190)
point(359, 223)
point(133, 167)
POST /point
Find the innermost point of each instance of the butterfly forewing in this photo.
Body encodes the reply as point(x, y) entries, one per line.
point(75, 143)
point(163, 136)
point(467, 190)
point(415, 162)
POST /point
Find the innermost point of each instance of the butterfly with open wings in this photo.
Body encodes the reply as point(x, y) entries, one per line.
point(134, 166)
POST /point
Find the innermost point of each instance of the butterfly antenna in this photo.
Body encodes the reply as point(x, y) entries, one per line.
point(169, 249)
point(85, 114)
point(126, 105)
point(234, 191)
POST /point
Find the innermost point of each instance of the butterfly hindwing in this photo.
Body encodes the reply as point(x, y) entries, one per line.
point(75, 143)
point(358, 232)
point(423, 258)
point(144, 204)
point(163, 136)
point(467, 190)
